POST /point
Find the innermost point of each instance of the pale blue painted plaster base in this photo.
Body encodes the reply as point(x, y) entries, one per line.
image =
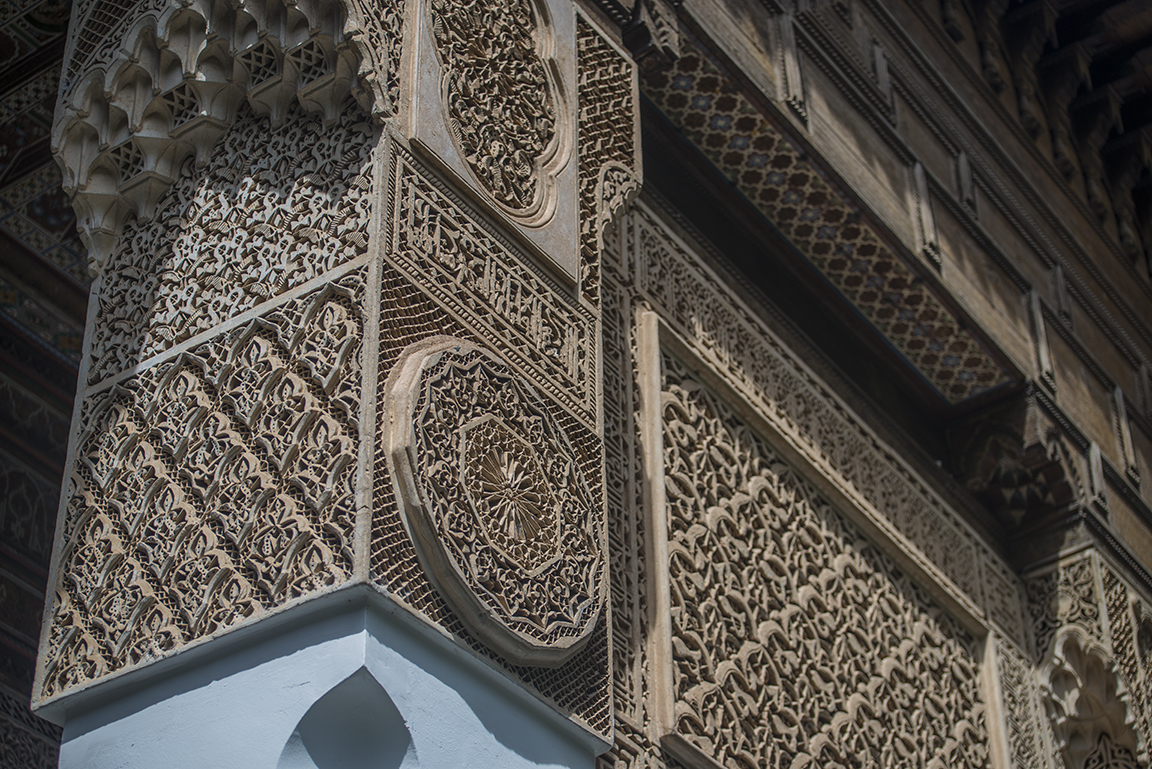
point(399, 695)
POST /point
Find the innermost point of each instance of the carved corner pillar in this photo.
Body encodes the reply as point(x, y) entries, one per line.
point(345, 342)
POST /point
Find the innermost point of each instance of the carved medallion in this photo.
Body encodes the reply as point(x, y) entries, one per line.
point(500, 95)
point(511, 498)
point(495, 500)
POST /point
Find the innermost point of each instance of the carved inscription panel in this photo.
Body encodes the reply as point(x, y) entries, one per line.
point(796, 642)
point(453, 256)
point(209, 489)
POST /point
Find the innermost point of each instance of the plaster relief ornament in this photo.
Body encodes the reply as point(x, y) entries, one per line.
point(495, 501)
point(501, 95)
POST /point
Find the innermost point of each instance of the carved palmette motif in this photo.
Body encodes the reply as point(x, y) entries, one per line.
point(795, 641)
point(495, 501)
point(501, 96)
point(1108, 755)
point(209, 489)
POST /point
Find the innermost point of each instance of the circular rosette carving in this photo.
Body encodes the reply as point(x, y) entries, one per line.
point(494, 499)
point(503, 98)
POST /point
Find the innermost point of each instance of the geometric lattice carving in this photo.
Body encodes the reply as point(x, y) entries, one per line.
point(1022, 713)
point(608, 149)
point(720, 117)
point(795, 641)
point(495, 501)
point(209, 489)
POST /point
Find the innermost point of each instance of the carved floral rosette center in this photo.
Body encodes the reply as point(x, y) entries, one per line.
point(495, 501)
point(502, 97)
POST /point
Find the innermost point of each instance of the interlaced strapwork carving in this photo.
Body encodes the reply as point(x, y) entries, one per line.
point(273, 209)
point(609, 170)
point(796, 641)
point(500, 96)
point(1065, 596)
point(210, 488)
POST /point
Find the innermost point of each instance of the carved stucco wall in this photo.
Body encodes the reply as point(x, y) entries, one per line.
point(761, 665)
point(752, 675)
point(785, 615)
point(226, 462)
point(819, 600)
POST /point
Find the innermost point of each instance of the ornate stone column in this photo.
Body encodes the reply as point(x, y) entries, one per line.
point(336, 465)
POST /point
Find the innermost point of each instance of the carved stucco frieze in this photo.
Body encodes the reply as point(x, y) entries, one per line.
point(1091, 631)
point(475, 273)
point(495, 500)
point(1024, 716)
point(1130, 633)
point(750, 357)
point(1088, 704)
point(26, 742)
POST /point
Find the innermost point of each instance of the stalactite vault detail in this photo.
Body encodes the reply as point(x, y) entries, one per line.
point(275, 208)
